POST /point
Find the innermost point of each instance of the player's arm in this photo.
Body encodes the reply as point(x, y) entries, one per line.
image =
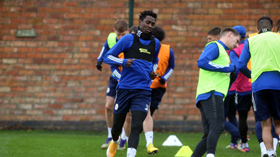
point(210, 53)
point(170, 68)
point(153, 74)
point(234, 59)
point(116, 71)
point(155, 57)
point(111, 57)
point(103, 51)
point(244, 59)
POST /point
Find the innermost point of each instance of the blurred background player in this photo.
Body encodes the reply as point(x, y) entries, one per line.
point(212, 88)
point(133, 91)
point(263, 49)
point(258, 128)
point(213, 34)
point(133, 29)
point(243, 89)
point(164, 70)
point(120, 29)
point(229, 104)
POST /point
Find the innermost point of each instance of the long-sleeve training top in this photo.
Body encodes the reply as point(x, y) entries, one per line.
point(267, 80)
point(211, 52)
point(138, 75)
point(104, 50)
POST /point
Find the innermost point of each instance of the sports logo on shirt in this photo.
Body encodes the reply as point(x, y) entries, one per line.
point(116, 106)
point(142, 50)
point(108, 90)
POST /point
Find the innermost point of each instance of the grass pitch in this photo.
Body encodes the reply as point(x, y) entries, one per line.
point(30, 143)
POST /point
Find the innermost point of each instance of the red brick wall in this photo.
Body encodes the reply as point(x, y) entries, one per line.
point(53, 77)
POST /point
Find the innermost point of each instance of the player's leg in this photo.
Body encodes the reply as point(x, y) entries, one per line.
point(232, 110)
point(116, 131)
point(201, 147)
point(216, 121)
point(121, 108)
point(139, 108)
point(234, 135)
point(127, 124)
point(213, 125)
point(232, 129)
point(148, 125)
point(266, 134)
point(259, 138)
point(243, 129)
point(109, 108)
point(126, 131)
point(264, 109)
point(275, 113)
point(243, 107)
point(136, 127)
point(275, 136)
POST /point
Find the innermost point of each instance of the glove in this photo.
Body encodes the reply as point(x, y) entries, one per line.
point(98, 65)
point(234, 68)
point(232, 77)
point(161, 80)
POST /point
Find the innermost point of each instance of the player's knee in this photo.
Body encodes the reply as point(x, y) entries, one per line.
point(219, 128)
point(276, 123)
point(128, 119)
point(236, 133)
point(116, 130)
point(136, 126)
point(149, 117)
point(109, 106)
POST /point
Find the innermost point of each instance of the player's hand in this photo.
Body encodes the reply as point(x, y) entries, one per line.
point(161, 80)
point(129, 62)
point(234, 68)
point(98, 65)
point(232, 77)
point(153, 75)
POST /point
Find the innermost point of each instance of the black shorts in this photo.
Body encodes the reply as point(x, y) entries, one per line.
point(157, 94)
point(267, 104)
point(111, 90)
point(244, 102)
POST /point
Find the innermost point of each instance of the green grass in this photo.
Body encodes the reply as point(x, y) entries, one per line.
point(22, 143)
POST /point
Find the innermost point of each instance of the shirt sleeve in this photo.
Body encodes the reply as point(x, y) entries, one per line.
point(103, 51)
point(210, 53)
point(155, 57)
point(111, 57)
point(234, 60)
point(116, 71)
point(244, 59)
point(171, 66)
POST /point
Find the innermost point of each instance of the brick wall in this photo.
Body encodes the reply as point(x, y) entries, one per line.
point(52, 78)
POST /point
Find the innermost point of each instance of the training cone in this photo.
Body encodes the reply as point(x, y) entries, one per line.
point(172, 140)
point(185, 151)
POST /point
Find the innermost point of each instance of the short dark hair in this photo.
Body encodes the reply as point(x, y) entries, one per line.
point(121, 25)
point(133, 29)
point(265, 18)
point(226, 30)
point(214, 31)
point(278, 24)
point(159, 33)
point(145, 13)
point(264, 22)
